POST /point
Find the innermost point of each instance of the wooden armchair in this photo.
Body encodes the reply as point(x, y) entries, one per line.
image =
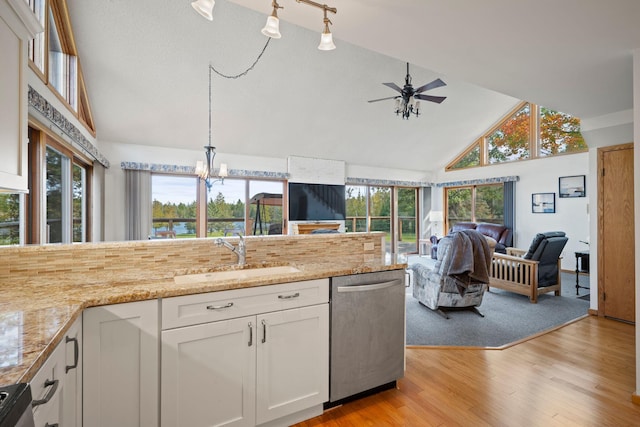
point(532, 272)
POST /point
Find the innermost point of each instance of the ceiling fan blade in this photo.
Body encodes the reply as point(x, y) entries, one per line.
point(384, 99)
point(434, 84)
point(393, 86)
point(431, 98)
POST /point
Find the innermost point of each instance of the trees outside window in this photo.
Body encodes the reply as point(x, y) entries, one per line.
point(478, 203)
point(527, 132)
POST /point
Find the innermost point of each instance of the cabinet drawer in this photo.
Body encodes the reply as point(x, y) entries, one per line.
point(210, 307)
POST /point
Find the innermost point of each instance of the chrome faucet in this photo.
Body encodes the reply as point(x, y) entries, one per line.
point(240, 251)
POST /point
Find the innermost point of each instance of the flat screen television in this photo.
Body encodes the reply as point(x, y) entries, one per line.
point(316, 202)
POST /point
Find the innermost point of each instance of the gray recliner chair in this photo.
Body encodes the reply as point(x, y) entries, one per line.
point(460, 276)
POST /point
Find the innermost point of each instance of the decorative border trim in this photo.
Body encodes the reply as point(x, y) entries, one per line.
point(496, 180)
point(58, 119)
point(386, 182)
point(191, 170)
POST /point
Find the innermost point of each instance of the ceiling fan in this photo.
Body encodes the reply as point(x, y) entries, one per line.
point(407, 102)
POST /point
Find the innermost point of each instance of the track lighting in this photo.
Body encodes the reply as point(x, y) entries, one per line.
point(272, 27)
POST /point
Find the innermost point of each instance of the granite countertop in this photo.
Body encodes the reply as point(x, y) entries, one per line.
point(34, 317)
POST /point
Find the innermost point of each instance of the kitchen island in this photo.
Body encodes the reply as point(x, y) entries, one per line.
point(44, 289)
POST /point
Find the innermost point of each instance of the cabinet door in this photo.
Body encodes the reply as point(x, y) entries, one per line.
point(208, 374)
point(293, 361)
point(72, 392)
point(47, 389)
point(121, 367)
point(16, 26)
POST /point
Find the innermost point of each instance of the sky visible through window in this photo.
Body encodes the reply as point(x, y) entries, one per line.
point(176, 189)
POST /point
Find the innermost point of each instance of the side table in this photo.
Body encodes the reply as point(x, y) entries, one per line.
point(582, 266)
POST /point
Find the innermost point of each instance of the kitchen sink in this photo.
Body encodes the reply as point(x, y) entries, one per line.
point(243, 273)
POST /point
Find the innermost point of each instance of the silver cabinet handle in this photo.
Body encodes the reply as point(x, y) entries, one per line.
point(48, 383)
point(371, 287)
point(264, 332)
point(296, 295)
point(250, 334)
point(51, 425)
point(219, 307)
point(76, 351)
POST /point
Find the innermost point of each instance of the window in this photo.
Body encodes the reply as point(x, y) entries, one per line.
point(527, 132)
point(63, 65)
point(370, 208)
point(407, 220)
point(511, 140)
point(66, 197)
point(9, 219)
point(53, 56)
point(37, 44)
point(174, 205)
point(479, 203)
point(229, 209)
point(559, 133)
point(357, 212)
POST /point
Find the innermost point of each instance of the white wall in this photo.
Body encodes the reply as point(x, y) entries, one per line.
point(538, 176)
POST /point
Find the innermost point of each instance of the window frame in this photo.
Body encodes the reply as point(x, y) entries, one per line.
point(534, 140)
point(35, 205)
point(60, 13)
point(473, 188)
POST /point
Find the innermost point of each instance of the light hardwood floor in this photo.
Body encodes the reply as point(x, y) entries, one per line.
point(582, 374)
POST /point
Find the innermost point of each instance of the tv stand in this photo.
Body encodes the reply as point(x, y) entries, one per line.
point(309, 227)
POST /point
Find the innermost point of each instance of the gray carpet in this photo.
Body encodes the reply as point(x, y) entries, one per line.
point(508, 317)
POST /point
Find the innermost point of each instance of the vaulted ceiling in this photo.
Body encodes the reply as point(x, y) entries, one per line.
point(146, 68)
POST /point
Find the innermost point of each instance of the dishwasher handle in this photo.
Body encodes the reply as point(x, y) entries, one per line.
point(368, 287)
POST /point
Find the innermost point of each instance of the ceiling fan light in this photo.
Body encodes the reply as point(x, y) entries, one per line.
point(326, 41)
point(204, 8)
point(272, 28)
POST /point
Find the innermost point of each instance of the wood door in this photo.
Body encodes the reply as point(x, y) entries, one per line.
point(617, 256)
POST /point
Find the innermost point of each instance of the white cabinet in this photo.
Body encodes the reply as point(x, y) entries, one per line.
point(121, 365)
point(72, 391)
point(208, 374)
point(261, 357)
point(56, 387)
point(17, 25)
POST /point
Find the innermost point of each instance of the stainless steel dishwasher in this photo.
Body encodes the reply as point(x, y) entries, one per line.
point(367, 333)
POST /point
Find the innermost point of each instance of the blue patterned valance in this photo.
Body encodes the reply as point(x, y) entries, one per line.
point(386, 182)
point(479, 181)
point(191, 170)
point(55, 117)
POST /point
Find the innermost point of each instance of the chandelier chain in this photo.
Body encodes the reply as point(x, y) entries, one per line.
point(245, 71)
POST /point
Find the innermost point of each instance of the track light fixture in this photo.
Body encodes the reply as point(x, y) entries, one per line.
point(272, 27)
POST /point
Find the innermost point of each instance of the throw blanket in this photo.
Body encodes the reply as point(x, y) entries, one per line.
point(470, 260)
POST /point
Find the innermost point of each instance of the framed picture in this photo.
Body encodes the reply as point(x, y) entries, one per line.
point(543, 203)
point(572, 186)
